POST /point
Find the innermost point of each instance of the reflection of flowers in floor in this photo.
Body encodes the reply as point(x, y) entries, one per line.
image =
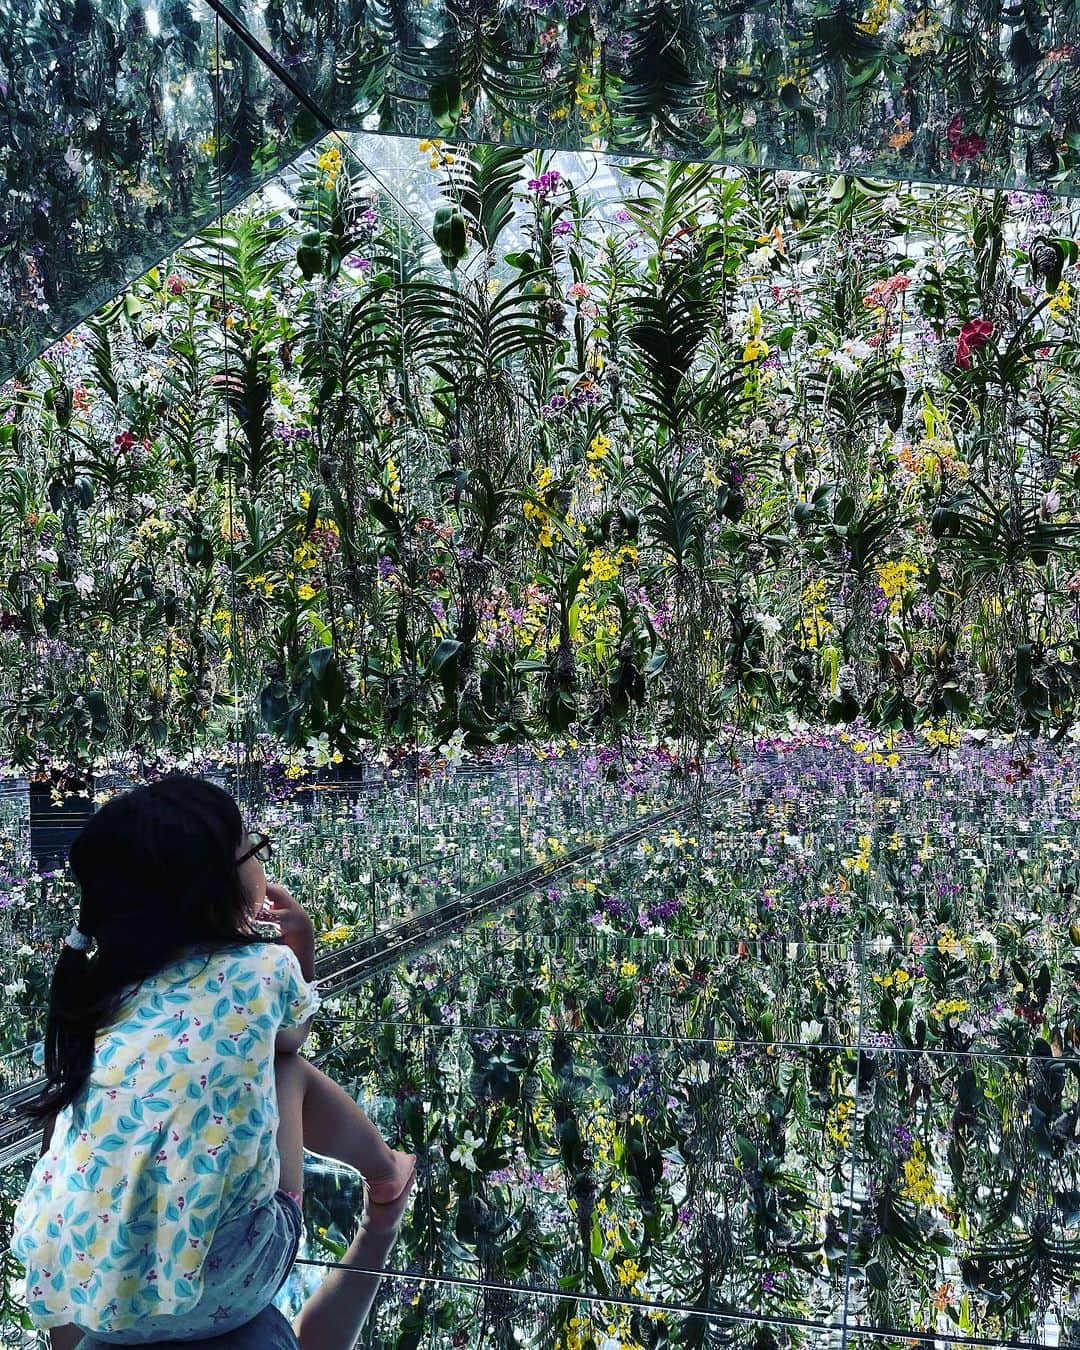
point(765, 1095)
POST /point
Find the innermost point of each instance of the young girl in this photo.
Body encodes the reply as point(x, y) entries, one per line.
point(166, 1203)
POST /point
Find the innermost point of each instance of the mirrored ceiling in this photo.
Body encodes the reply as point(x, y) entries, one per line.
point(129, 127)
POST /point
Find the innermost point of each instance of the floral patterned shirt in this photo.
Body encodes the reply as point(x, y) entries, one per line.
point(173, 1135)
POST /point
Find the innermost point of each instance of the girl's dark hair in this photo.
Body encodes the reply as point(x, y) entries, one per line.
point(157, 870)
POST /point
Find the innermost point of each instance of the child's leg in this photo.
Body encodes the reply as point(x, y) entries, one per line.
point(318, 1115)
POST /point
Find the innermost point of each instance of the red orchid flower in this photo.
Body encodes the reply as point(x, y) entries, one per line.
point(967, 147)
point(962, 145)
point(973, 335)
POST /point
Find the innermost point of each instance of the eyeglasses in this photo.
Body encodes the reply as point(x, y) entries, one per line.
point(260, 848)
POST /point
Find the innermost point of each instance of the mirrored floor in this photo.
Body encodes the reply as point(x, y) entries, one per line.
point(798, 1065)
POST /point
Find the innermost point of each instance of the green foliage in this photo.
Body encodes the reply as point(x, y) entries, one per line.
point(731, 449)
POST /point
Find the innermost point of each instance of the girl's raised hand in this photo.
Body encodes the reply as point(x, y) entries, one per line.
point(280, 908)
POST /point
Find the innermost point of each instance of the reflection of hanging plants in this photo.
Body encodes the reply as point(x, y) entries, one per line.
point(476, 64)
point(661, 97)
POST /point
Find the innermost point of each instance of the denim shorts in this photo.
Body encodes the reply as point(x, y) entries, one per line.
point(249, 1260)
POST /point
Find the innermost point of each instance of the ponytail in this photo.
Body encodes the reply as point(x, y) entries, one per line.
point(69, 1033)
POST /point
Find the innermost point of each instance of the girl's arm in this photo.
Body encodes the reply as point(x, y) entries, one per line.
point(290, 1039)
point(298, 933)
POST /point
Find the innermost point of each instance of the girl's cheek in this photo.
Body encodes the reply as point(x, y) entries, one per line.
point(253, 880)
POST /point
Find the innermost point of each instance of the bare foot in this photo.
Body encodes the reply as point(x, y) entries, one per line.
point(384, 1219)
point(396, 1184)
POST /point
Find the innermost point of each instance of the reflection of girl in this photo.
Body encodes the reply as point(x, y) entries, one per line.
point(165, 1204)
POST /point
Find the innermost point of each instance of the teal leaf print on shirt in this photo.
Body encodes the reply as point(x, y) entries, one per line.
point(163, 1096)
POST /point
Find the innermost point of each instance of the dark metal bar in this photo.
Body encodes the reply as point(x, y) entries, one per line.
point(271, 62)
